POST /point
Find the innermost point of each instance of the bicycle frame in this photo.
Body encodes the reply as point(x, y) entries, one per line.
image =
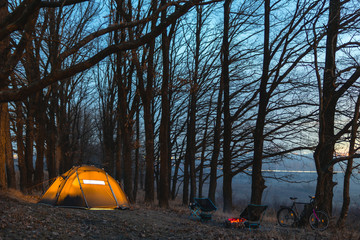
point(288, 216)
point(294, 208)
point(317, 218)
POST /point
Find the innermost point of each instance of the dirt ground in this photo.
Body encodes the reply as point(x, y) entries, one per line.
point(22, 218)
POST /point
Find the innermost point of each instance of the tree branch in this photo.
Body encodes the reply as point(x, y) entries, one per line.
point(57, 75)
point(60, 3)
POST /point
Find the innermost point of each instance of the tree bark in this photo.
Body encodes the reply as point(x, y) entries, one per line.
point(216, 149)
point(54, 76)
point(149, 138)
point(147, 99)
point(324, 151)
point(349, 167)
point(3, 130)
point(126, 124)
point(175, 178)
point(10, 169)
point(20, 146)
point(149, 144)
point(137, 154)
point(118, 155)
point(4, 82)
point(258, 182)
point(227, 175)
point(50, 142)
point(165, 118)
point(191, 144)
point(203, 153)
point(191, 132)
point(52, 147)
point(40, 141)
point(185, 199)
point(29, 147)
point(127, 149)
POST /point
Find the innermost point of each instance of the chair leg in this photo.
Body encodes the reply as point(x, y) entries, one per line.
point(195, 213)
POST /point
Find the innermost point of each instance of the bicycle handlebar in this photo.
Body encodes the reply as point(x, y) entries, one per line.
point(312, 199)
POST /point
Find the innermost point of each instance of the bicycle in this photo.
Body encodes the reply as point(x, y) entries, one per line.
point(289, 216)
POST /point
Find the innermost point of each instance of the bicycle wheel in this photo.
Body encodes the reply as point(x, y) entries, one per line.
point(286, 217)
point(319, 220)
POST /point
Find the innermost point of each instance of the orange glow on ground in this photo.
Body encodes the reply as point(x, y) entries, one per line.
point(236, 220)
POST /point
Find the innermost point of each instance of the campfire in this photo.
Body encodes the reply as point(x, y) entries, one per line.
point(235, 222)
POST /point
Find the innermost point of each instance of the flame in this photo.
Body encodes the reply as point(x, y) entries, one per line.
point(236, 220)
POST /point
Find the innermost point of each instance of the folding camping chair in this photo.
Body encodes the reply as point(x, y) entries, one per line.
point(202, 209)
point(253, 215)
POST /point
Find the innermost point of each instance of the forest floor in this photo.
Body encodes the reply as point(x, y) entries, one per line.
point(22, 218)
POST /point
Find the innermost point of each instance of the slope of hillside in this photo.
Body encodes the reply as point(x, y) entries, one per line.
point(22, 218)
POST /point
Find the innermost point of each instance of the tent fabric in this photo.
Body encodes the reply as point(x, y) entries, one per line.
point(86, 187)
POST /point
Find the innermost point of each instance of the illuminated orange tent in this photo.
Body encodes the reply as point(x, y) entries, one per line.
point(86, 187)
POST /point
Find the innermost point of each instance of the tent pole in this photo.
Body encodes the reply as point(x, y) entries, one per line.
point(107, 178)
point(61, 186)
point(82, 191)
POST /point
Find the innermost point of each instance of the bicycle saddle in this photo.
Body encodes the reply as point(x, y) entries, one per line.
point(293, 198)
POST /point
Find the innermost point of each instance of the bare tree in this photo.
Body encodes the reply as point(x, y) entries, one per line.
point(349, 166)
point(23, 20)
point(227, 178)
point(165, 118)
point(191, 122)
point(4, 53)
point(258, 183)
point(3, 181)
point(335, 84)
point(147, 95)
point(57, 74)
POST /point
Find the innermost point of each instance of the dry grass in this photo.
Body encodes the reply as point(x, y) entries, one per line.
point(20, 218)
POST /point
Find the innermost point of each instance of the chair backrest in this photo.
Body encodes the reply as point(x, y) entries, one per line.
point(253, 212)
point(205, 204)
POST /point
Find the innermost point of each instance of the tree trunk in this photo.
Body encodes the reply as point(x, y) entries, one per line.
point(123, 76)
point(216, 149)
point(137, 154)
point(258, 182)
point(147, 99)
point(175, 178)
point(40, 141)
point(349, 167)
point(324, 151)
point(149, 146)
point(126, 124)
point(109, 144)
point(58, 154)
point(20, 146)
point(203, 150)
point(29, 147)
point(127, 149)
point(10, 169)
point(50, 142)
point(3, 130)
point(202, 157)
point(119, 76)
point(227, 175)
point(52, 136)
point(165, 119)
point(190, 153)
point(63, 132)
point(191, 132)
point(118, 154)
point(185, 199)
point(4, 82)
